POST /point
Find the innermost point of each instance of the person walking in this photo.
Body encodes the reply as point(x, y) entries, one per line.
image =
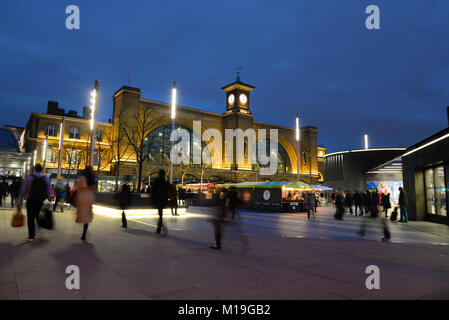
point(124, 201)
point(349, 202)
point(385, 202)
point(358, 202)
point(84, 195)
point(35, 190)
point(233, 201)
point(374, 214)
point(60, 194)
point(333, 197)
point(159, 194)
point(310, 203)
point(367, 201)
point(3, 191)
point(173, 199)
point(15, 190)
point(403, 202)
point(340, 205)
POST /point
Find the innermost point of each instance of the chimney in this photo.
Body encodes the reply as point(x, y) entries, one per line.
point(86, 113)
point(52, 107)
point(447, 110)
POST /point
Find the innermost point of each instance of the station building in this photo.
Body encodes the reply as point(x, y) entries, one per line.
point(131, 110)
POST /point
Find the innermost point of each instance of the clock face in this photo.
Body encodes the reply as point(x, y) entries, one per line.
point(231, 99)
point(243, 98)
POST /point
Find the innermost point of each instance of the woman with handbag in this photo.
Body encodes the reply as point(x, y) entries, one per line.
point(83, 197)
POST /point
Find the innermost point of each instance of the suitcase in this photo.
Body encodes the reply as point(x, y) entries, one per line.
point(45, 219)
point(394, 214)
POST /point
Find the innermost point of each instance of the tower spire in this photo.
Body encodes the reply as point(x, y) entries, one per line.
point(239, 68)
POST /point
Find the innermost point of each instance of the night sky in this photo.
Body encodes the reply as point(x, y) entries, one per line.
point(311, 56)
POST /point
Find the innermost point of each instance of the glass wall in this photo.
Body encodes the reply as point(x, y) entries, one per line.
point(436, 191)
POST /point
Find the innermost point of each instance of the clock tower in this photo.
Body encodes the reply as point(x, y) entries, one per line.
point(237, 97)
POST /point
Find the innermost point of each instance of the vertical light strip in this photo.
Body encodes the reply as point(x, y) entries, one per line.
point(366, 142)
point(173, 102)
point(93, 100)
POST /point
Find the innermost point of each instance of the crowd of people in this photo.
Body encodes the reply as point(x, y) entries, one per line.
point(37, 188)
point(366, 202)
point(370, 202)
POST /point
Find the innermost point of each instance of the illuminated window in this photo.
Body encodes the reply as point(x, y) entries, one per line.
point(74, 133)
point(50, 130)
point(51, 154)
point(435, 191)
point(284, 165)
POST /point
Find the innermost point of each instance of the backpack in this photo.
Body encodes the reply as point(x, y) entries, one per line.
point(38, 188)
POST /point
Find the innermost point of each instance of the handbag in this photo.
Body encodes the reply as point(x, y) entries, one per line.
point(18, 220)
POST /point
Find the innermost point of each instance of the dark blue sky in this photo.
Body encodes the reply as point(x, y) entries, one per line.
point(311, 56)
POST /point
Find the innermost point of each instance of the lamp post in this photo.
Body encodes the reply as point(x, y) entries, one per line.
point(173, 116)
point(297, 140)
point(61, 139)
point(44, 152)
point(93, 120)
point(366, 142)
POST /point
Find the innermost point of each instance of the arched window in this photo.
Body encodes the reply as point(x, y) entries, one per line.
point(158, 144)
point(284, 165)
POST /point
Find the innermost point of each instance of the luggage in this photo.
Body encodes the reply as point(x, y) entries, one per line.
point(394, 214)
point(45, 219)
point(18, 220)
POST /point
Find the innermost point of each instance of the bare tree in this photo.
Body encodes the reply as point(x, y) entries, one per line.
point(136, 127)
point(119, 148)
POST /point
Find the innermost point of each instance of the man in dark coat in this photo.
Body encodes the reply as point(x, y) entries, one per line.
point(358, 201)
point(403, 202)
point(348, 202)
point(159, 194)
point(125, 201)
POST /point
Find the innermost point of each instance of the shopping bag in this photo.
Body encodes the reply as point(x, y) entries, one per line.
point(18, 220)
point(45, 219)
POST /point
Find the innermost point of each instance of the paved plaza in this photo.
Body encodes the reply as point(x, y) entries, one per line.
point(264, 256)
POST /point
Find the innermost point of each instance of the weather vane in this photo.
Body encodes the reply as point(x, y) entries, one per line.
point(239, 68)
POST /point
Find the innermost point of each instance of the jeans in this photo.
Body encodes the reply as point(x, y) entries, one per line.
point(159, 223)
point(404, 215)
point(33, 210)
point(360, 207)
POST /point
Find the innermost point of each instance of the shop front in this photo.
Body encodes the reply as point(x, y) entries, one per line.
point(426, 178)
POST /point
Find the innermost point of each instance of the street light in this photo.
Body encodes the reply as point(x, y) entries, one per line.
point(173, 116)
point(93, 120)
point(297, 139)
point(61, 140)
point(366, 142)
point(44, 152)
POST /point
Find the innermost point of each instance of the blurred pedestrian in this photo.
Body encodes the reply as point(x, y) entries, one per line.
point(358, 201)
point(159, 194)
point(124, 200)
point(349, 202)
point(232, 201)
point(173, 199)
point(3, 191)
point(60, 194)
point(403, 202)
point(340, 205)
point(309, 203)
point(84, 195)
point(15, 190)
point(35, 190)
point(374, 215)
point(385, 201)
point(367, 201)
